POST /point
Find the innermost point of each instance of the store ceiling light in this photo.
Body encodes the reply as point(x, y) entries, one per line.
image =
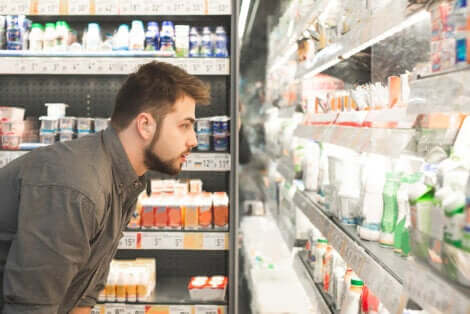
point(243, 17)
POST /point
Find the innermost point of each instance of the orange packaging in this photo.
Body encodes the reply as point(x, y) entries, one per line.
point(441, 120)
point(394, 91)
point(191, 219)
point(161, 215)
point(195, 186)
point(174, 212)
point(148, 213)
point(205, 210)
point(221, 209)
point(136, 218)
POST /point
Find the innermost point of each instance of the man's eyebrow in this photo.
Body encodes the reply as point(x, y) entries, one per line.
point(192, 120)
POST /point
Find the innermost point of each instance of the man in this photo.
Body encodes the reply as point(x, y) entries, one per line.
point(64, 207)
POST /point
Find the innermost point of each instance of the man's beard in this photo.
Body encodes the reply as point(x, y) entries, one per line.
point(155, 163)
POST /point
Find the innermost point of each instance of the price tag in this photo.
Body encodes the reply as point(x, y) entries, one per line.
point(48, 7)
point(217, 7)
point(106, 7)
point(206, 309)
point(214, 241)
point(79, 7)
point(151, 240)
point(222, 66)
point(162, 240)
point(128, 241)
point(179, 6)
point(182, 63)
point(115, 309)
point(181, 309)
point(18, 7)
point(209, 66)
point(155, 6)
point(354, 256)
point(196, 66)
point(207, 162)
point(336, 239)
point(196, 6)
point(135, 309)
point(4, 7)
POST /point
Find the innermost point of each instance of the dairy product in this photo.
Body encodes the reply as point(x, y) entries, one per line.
point(137, 36)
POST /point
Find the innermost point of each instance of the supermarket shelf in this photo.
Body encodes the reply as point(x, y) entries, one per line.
point(445, 91)
point(99, 7)
point(383, 279)
point(434, 293)
point(172, 291)
point(372, 29)
point(103, 63)
point(171, 240)
point(286, 168)
point(160, 309)
point(388, 142)
point(324, 302)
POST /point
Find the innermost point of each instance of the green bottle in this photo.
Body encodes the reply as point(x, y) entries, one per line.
point(421, 206)
point(390, 210)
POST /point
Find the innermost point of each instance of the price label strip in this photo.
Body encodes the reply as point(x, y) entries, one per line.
point(106, 7)
point(162, 240)
point(79, 7)
point(98, 309)
point(49, 7)
point(128, 241)
point(115, 309)
point(219, 7)
point(207, 162)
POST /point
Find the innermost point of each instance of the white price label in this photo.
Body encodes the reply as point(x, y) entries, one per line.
point(222, 66)
point(179, 6)
point(196, 66)
point(135, 309)
point(138, 7)
point(213, 241)
point(196, 7)
point(79, 7)
point(354, 257)
point(206, 309)
point(4, 7)
point(19, 7)
point(106, 7)
point(209, 66)
point(219, 7)
point(180, 309)
point(182, 63)
point(48, 7)
point(97, 309)
point(155, 6)
point(151, 240)
point(128, 241)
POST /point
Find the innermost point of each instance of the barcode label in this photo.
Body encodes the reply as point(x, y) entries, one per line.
point(206, 309)
point(214, 241)
point(177, 309)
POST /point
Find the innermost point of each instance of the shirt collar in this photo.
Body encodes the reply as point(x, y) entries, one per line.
point(122, 169)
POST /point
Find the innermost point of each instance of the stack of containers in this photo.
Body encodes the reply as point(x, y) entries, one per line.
point(203, 288)
point(11, 127)
point(203, 131)
point(221, 133)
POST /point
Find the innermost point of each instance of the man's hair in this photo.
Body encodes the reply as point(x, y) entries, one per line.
point(155, 88)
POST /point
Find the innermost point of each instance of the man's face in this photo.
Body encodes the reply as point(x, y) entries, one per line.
point(167, 152)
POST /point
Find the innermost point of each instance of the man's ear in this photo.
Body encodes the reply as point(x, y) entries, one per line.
point(146, 126)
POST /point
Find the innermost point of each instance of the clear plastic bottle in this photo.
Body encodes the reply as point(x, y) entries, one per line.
point(152, 37)
point(49, 37)
point(93, 37)
point(121, 39)
point(194, 42)
point(167, 38)
point(221, 50)
point(137, 36)
point(352, 303)
point(206, 45)
point(36, 37)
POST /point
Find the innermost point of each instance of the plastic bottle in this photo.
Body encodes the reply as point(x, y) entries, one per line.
point(131, 286)
point(206, 44)
point(122, 38)
point(62, 35)
point(111, 287)
point(167, 38)
point(121, 287)
point(49, 37)
point(152, 37)
point(421, 206)
point(352, 301)
point(36, 37)
point(93, 37)
point(221, 50)
point(194, 43)
point(347, 283)
point(14, 32)
point(320, 250)
point(137, 36)
point(390, 211)
point(182, 40)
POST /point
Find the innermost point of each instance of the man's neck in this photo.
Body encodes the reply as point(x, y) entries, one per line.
point(133, 152)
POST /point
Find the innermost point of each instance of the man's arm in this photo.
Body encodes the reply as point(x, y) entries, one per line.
point(55, 225)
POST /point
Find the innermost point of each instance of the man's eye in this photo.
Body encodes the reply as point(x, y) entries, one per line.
point(186, 126)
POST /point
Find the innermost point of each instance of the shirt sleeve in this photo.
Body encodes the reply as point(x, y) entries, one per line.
point(55, 226)
point(91, 296)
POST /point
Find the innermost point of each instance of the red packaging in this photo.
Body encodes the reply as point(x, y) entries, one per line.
point(161, 214)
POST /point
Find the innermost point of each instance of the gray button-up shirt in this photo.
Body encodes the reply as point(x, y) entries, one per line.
point(62, 212)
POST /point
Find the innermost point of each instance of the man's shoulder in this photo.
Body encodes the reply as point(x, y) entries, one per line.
point(81, 164)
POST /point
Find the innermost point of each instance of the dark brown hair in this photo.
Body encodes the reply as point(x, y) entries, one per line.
point(154, 88)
